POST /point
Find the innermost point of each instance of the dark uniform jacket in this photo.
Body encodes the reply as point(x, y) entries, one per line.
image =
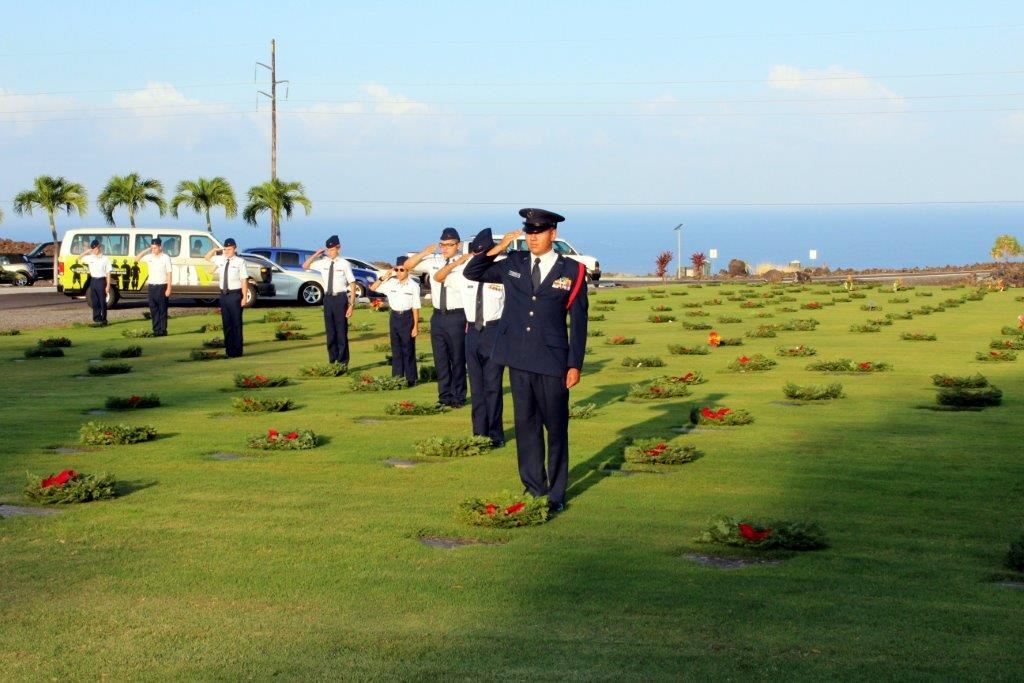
point(532, 334)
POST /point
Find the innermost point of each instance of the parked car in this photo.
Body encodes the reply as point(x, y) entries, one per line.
point(303, 286)
point(292, 259)
point(17, 270)
point(560, 245)
point(192, 275)
point(41, 257)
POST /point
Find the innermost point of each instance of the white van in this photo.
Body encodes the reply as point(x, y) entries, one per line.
point(560, 246)
point(192, 275)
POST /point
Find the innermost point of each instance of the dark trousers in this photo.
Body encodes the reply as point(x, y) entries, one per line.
point(231, 317)
point(98, 299)
point(485, 378)
point(541, 402)
point(156, 294)
point(336, 325)
point(403, 347)
point(448, 342)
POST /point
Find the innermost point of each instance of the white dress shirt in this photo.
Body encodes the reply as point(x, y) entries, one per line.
point(159, 268)
point(494, 300)
point(343, 276)
point(99, 265)
point(452, 283)
point(236, 271)
point(402, 296)
point(547, 262)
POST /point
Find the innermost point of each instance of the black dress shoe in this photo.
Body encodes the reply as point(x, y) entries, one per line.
point(497, 444)
point(556, 507)
point(456, 406)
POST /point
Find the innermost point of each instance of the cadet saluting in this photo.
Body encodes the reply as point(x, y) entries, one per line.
point(404, 301)
point(158, 282)
point(544, 360)
point(339, 297)
point(234, 290)
point(448, 323)
point(99, 280)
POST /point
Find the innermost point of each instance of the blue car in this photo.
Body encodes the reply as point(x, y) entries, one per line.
point(292, 259)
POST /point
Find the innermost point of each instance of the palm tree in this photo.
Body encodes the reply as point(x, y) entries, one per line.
point(202, 195)
point(52, 195)
point(276, 197)
point(132, 192)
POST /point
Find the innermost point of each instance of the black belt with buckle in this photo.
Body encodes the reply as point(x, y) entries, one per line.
point(449, 311)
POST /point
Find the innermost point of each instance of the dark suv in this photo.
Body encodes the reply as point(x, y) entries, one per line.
point(42, 258)
point(17, 270)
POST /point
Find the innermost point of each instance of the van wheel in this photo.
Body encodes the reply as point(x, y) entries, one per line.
point(311, 294)
point(113, 297)
point(251, 297)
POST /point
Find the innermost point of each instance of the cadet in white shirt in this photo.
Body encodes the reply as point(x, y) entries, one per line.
point(484, 303)
point(158, 284)
point(99, 281)
point(448, 323)
point(404, 301)
point(339, 296)
point(234, 289)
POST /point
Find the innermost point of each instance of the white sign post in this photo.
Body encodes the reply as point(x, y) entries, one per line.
point(712, 255)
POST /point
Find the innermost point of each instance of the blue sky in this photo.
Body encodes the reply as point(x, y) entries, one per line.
point(626, 118)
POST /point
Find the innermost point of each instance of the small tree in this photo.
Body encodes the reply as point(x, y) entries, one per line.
point(699, 261)
point(661, 264)
point(1006, 247)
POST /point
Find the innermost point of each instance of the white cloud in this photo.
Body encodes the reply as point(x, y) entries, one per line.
point(162, 112)
point(834, 81)
point(21, 114)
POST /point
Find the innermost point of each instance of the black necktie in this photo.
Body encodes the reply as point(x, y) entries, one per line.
point(224, 285)
point(444, 293)
point(479, 324)
point(535, 274)
point(330, 280)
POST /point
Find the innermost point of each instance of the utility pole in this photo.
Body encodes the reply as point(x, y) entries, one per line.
point(275, 229)
point(679, 250)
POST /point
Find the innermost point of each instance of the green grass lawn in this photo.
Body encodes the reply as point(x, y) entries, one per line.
point(307, 564)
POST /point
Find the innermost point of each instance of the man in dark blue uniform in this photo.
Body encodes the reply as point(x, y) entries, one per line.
point(544, 360)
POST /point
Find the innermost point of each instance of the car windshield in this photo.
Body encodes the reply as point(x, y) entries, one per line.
point(16, 258)
point(258, 260)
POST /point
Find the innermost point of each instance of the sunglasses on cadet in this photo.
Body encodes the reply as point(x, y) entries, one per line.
point(399, 270)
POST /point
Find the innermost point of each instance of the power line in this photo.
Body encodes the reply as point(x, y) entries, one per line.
point(109, 90)
point(551, 202)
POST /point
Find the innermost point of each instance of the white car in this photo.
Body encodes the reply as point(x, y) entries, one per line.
point(303, 286)
point(560, 245)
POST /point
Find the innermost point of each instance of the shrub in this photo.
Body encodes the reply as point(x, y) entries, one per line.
point(847, 365)
point(505, 510)
point(136, 333)
point(659, 452)
point(776, 534)
point(729, 319)
point(786, 309)
point(708, 415)
point(248, 404)
point(54, 342)
point(378, 383)
point(101, 434)
point(965, 397)
point(273, 440)
point(413, 408)
point(69, 487)
point(697, 313)
point(44, 352)
point(680, 350)
point(811, 306)
point(452, 446)
point(288, 335)
point(215, 343)
point(621, 341)
point(109, 369)
point(665, 387)
point(995, 356)
point(761, 331)
point(133, 351)
point(260, 381)
point(695, 326)
point(799, 325)
point(603, 308)
point(610, 300)
point(765, 314)
point(636, 297)
point(865, 328)
point(813, 392)
point(870, 307)
point(1008, 331)
point(324, 370)
point(661, 307)
point(899, 316)
point(800, 351)
point(918, 336)
point(899, 300)
point(133, 402)
point(287, 326)
point(972, 382)
point(660, 319)
point(751, 304)
point(881, 322)
point(730, 341)
point(596, 318)
point(756, 363)
point(1013, 344)
point(582, 411)
point(278, 316)
point(205, 354)
point(643, 362)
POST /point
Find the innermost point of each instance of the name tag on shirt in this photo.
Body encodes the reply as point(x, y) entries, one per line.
point(515, 273)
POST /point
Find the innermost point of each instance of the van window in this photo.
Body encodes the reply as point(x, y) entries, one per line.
point(265, 253)
point(142, 243)
point(200, 245)
point(113, 245)
point(561, 247)
point(171, 244)
point(288, 258)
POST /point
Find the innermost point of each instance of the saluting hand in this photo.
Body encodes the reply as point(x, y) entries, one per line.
point(318, 252)
point(429, 249)
point(572, 378)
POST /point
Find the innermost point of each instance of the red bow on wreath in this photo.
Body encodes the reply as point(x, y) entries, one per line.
point(751, 534)
point(58, 479)
point(514, 508)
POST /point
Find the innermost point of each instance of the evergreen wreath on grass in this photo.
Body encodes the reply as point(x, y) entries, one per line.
point(1008, 331)
point(813, 392)
point(799, 325)
point(918, 336)
point(764, 535)
point(681, 350)
point(382, 346)
point(54, 342)
point(621, 341)
point(662, 308)
point(718, 415)
point(595, 333)
point(864, 329)
point(273, 440)
point(974, 381)
point(799, 351)
point(260, 381)
point(847, 365)
point(687, 325)
point(656, 318)
point(133, 402)
point(133, 351)
point(762, 331)
point(881, 322)
point(752, 304)
point(322, 370)
point(278, 316)
point(995, 356)
point(378, 383)
point(729, 319)
point(413, 408)
point(596, 318)
point(659, 452)
point(642, 362)
point(696, 313)
point(136, 333)
point(44, 352)
point(505, 510)
point(10, 333)
point(658, 388)
point(730, 341)
point(1011, 344)
point(102, 434)
point(766, 314)
point(870, 307)
point(582, 411)
point(68, 487)
point(288, 335)
point(969, 397)
point(899, 316)
point(811, 306)
point(109, 369)
point(215, 343)
point(636, 297)
point(452, 446)
point(249, 404)
point(899, 300)
point(756, 363)
point(205, 354)
point(288, 326)
point(210, 327)
point(603, 309)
